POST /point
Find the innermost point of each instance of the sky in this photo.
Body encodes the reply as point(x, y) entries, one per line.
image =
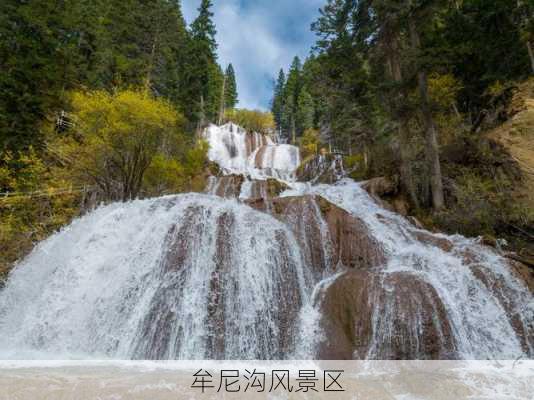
point(259, 37)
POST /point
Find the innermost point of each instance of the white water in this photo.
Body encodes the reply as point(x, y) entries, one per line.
point(236, 152)
point(195, 276)
point(104, 286)
point(481, 326)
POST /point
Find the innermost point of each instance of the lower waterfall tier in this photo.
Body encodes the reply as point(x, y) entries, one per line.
point(322, 272)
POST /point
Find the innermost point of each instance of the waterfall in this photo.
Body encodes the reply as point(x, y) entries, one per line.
point(180, 277)
point(481, 298)
point(248, 272)
point(251, 154)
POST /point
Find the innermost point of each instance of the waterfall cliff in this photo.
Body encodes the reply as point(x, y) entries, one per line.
point(263, 267)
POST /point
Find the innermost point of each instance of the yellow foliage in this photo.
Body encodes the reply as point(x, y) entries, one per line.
point(252, 120)
point(21, 173)
point(496, 89)
point(121, 136)
point(443, 90)
point(309, 142)
point(29, 214)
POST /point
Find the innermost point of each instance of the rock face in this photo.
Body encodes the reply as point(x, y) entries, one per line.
point(330, 237)
point(265, 189)
point(236, 186)
point(228, 186)
point(217, 333)
point(383, 316)
point(385, 192)
point(326, 168)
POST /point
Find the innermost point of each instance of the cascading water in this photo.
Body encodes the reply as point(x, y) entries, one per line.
point(319, 271)
point(251, 154)
point(490, 310)
point(180, 277)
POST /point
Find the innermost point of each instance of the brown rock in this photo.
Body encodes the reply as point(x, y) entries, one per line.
point(489, 241)
point(327, 234)
point(429, 238)
point(415, 222)
point(506, 297)
point(410, 320)
point(267, 189)
point(380, 187)
point(228, 186)
point(326, 168)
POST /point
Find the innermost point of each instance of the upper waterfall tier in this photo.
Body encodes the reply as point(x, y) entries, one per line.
point(252, 154)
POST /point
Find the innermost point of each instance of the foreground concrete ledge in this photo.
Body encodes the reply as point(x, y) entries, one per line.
point(373, 380)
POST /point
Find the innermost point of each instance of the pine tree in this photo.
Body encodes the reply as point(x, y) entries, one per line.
point(230, 90)
point(203, 28)
point(31, 56)
point(277, 105)
point(291, 96)
point(418, 15)
point(203, 75)
point(305, 111)
point(289, 127)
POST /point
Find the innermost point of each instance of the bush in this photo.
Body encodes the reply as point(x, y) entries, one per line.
point(119, 138)
point(37, 206)
point(309, 143)
point(252, 120)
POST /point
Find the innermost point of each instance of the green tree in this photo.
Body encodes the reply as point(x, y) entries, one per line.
point(230, 91)
point(291, 96)
point(31, 57)
point(203, 75)
point(277, 104)
point(305, 111)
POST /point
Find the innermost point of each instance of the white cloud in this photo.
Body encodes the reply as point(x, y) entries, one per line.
point(259, 38)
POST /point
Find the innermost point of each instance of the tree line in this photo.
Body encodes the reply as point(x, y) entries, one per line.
point(51, 47)
point(100, 100)
point(404, 76)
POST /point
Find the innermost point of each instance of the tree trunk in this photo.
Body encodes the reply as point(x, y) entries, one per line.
point(223, 101)
point(293, 130)
point(148, 78)
point(530, 54)
point(395, 70)
point(432, 148)
point(202, 119)
point(405, 164)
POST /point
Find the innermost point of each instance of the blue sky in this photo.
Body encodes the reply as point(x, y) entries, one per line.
point(259, 37)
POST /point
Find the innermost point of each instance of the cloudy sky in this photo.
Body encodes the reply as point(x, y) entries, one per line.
point(259, 37)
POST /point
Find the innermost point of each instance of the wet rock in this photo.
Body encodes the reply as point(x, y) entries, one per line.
point(431, 239)
point(326, 168)
point(488, 240)
point(267, 189)
point(392, 316)
point(386, 192)
point(524, 272)
point(415, 222)
point(380, 187)
point(228, 186)
point(270, 331)
point(507, 299)
point(328, 234)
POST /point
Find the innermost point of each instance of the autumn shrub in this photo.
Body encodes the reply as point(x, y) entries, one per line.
point(252, 120)
point(34, 204)
point(123, 145)
point(127, 144)
point(309, 143)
